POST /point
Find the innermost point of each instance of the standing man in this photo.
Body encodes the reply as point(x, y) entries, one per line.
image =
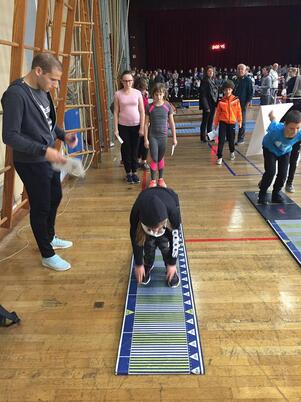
point(29, 127)
point(244, 91)
point(275, 80)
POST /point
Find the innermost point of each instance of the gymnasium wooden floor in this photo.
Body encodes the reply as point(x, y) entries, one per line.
point(247, 292)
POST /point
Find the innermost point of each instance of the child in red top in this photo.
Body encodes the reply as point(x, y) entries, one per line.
point(228, 112)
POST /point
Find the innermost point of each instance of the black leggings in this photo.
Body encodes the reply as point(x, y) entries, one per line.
point(207, 121)
point(293, 162)
point(129, 148)
point(163, 242)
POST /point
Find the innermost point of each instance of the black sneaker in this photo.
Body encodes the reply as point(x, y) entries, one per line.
point(174, 282)
point(135, 178)
point(277, 198)
point(129, 179)
point(262, 199)
point(147, 276)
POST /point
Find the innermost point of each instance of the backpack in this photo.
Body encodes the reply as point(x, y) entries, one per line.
point(6, 315)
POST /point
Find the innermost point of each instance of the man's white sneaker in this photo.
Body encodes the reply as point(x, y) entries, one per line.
point(232, 156)
point(60, 243)
point(219, 161)
point(56, 262)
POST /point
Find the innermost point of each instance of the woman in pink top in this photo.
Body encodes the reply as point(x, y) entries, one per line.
point(128, 124)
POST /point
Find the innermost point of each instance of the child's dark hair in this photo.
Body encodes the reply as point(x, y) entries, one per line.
point(228, 84)
point(158, 88)
point(294, 116)
point(268, 68)
point(141, 84)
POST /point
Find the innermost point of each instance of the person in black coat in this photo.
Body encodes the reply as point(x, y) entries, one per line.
point(207, 101)
point(244, 91)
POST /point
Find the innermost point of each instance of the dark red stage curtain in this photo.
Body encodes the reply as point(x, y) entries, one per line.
point(253, 35)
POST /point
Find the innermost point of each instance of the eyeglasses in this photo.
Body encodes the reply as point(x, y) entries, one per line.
point(127, 81)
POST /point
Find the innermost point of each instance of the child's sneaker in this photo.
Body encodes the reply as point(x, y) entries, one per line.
point(174, 282)
point(219, 161)
point(289, 188)
point(232, 156)
point(161, 183)
point(152, 183)
point(277, 198)
point(129, 178)
point(147, 276)
point(262, 198)
point(135, 178)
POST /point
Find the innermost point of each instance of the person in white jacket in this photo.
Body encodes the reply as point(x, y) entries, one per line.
point(275, 80)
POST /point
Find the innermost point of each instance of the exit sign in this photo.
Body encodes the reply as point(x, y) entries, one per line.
point(218, 46)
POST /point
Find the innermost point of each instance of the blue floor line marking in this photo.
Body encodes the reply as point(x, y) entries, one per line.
point(225, 163)
point(250, 162)
point(240, 174)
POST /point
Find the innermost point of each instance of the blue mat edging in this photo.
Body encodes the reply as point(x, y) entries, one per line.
point(196, 361)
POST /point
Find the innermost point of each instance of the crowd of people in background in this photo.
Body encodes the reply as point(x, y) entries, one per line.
point(268, 81)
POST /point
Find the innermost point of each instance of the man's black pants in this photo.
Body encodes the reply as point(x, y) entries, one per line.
point(43, 186)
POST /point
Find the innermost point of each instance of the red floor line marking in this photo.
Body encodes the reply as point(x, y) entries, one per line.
point(231, 239)
point(143, 183)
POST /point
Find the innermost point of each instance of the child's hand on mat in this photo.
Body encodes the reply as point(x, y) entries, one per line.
point(271, 115)
point(139, 273)
point(146, 144)
point(171, 270)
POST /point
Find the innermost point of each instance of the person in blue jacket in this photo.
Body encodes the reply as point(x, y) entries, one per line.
point(277, 145)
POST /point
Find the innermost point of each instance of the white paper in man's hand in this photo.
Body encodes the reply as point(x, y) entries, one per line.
point(73, 166)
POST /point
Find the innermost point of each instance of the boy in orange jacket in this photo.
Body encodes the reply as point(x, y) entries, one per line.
point(228, 112)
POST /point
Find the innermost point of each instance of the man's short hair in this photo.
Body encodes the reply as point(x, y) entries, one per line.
point(242, 65)
point(47, 62)
point(293, 116)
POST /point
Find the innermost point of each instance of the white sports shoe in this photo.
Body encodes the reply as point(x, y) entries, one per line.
point(56, 263)
point(232, 156)
point(219, 161)
point(60, 243)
